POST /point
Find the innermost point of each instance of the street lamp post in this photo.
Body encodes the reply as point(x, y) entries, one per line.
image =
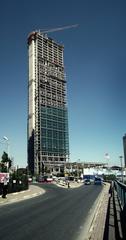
point(121, 167)
point(78, 167)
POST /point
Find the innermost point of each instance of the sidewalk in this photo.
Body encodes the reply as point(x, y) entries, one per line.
point(115, 227)
point(109, 222)
point(33, 191)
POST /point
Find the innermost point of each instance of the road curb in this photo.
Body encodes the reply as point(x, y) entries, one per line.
point(96, 229)
point(34, 191)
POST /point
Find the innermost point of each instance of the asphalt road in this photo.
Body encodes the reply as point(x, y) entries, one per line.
point(59, 214)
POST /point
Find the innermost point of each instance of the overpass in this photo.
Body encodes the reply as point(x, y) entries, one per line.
point(107, 218)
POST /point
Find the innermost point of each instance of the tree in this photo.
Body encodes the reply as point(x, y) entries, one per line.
point(5, 162)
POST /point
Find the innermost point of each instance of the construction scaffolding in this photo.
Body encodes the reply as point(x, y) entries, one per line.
point(48, 114)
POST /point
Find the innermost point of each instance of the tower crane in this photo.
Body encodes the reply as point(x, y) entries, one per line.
point(42, 31)
point(58, 29)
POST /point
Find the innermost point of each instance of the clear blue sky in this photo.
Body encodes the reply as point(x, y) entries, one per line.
point(95, 64)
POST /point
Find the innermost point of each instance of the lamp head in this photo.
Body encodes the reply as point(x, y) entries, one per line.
point(5, 138)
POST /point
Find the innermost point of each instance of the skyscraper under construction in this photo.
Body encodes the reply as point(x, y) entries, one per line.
point(48, 141)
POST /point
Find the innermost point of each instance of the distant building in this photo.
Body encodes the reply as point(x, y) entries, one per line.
point(48, 143)
point(91, 169)
point(124, 148)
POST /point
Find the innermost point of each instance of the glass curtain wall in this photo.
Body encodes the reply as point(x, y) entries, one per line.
point(54, 131)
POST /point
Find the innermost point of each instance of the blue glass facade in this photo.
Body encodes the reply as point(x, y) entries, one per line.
point(54, 131)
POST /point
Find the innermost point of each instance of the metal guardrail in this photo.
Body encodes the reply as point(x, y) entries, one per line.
point(121, 191)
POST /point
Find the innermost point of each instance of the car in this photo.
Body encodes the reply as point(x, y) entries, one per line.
point(98, 181)
point(45, 179)
point(87, 182)
point(49, 179)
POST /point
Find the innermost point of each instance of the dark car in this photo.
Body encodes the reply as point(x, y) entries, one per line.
point(98, 181)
